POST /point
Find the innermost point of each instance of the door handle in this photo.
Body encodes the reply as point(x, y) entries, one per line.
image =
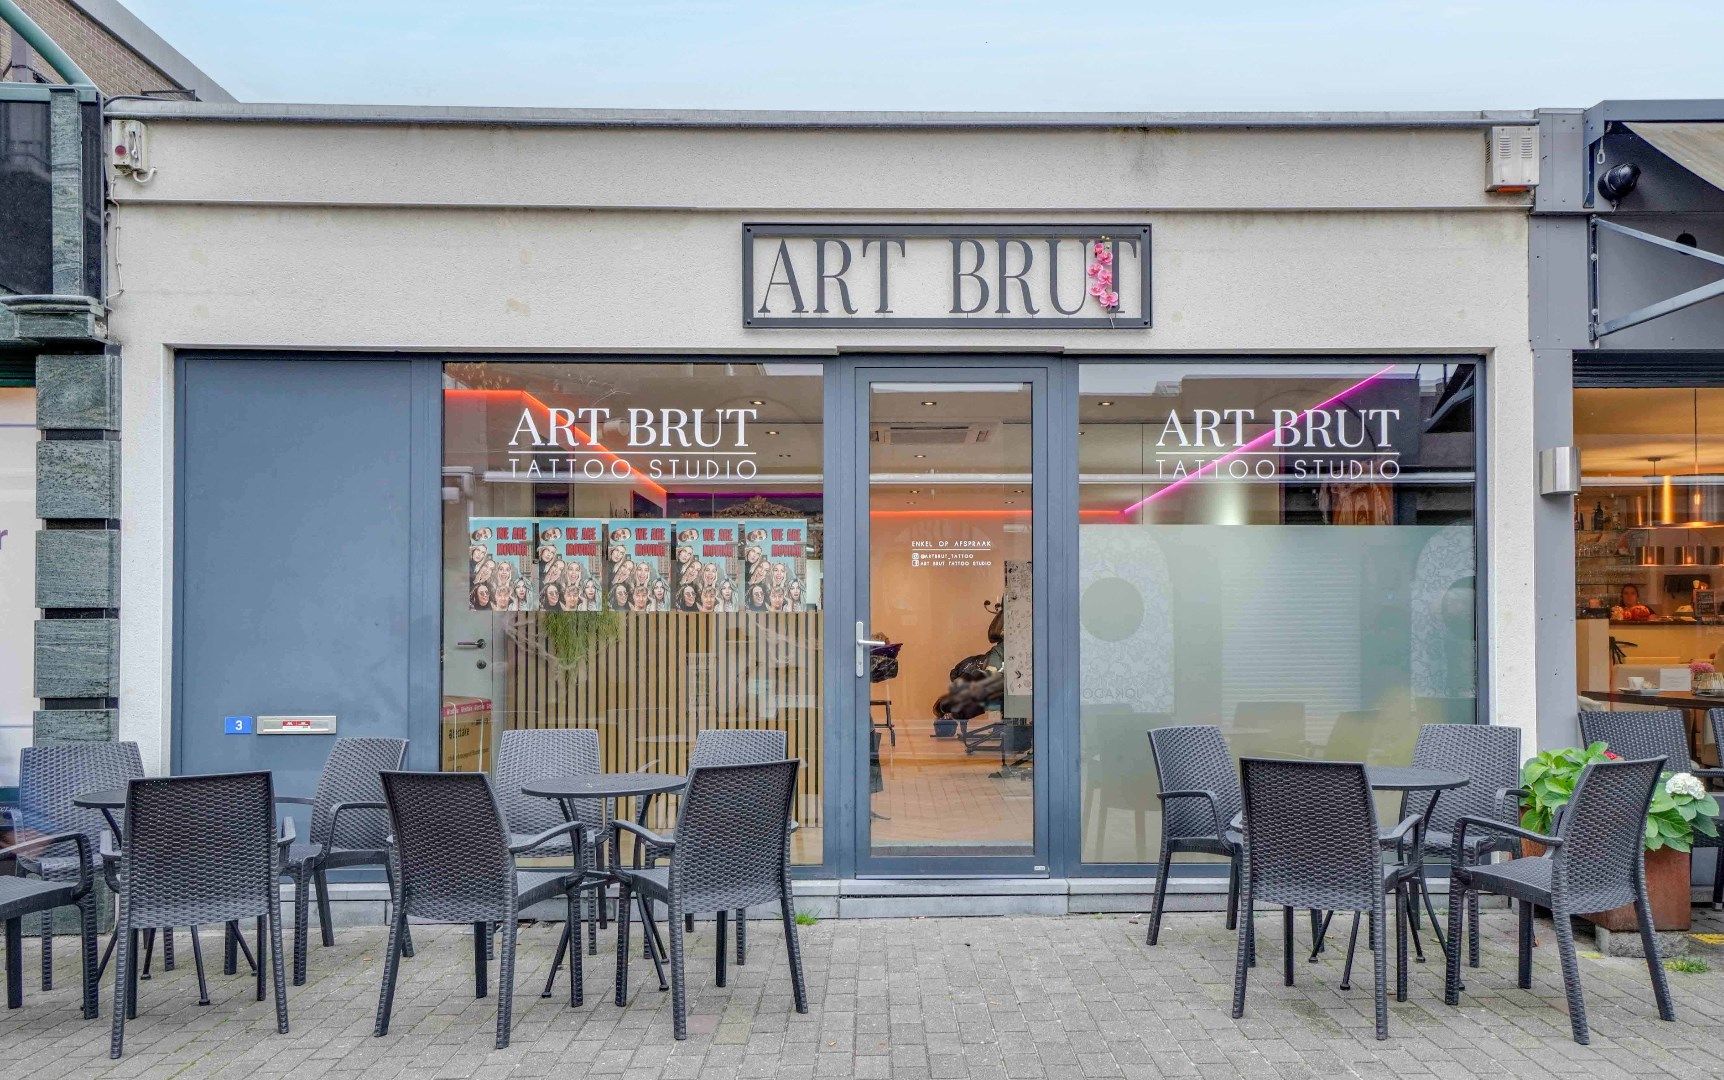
point(478, 644)
point(863, 644)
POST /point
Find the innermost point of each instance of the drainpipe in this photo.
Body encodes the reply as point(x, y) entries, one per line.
point(14, 16)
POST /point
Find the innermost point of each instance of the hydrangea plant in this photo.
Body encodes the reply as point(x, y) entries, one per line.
point(1681, 805)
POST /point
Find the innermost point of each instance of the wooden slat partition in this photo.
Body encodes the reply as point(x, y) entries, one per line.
point(663, 676)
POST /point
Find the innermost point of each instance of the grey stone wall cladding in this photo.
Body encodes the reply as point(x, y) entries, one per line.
point(78, 392)
point(54, 726)
point(77, 658)
point(78, 479)
point(78, 568)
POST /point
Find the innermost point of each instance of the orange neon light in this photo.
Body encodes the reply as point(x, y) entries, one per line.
point(598, 447)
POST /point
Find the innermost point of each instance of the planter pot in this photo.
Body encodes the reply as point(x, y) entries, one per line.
point(1666, 887)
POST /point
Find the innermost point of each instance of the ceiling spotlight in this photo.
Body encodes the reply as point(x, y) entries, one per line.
point(1104, 404)
point(930, 402)
point(772, 432)
point(756, 401)
point(921, 456)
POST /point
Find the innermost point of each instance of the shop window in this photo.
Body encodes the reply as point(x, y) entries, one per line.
point(1649, 551)
point(635, 549)
point(1283, 549)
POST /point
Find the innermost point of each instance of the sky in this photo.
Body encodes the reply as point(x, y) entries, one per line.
point(1101, 55)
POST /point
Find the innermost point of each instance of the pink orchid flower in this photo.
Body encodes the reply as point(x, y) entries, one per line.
point(1103, 255)
point(1111, 300)
point(1097, 290)
point(1094, 269)
point(1104, 276)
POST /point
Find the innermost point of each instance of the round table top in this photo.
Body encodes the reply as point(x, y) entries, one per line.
point(102, 799)
point(605, 785)
point(1413, 778)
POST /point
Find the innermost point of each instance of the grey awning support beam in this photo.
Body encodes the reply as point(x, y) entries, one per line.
point(1663, 307)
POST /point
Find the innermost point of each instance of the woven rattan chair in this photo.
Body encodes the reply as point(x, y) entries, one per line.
point(349, 827)
point(49, 778)
point(1656, 733)
point(529, 754)
point(732, 851)
point(1715, 717)
point(725, 746)
point(1489, 757)
point(456, 864)
point(1311, 841)
point(198, 849)
point(1595, 862)
point(1199, 800)
point(22, 896)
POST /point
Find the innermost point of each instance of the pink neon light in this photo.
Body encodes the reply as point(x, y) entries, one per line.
point(1248, 447)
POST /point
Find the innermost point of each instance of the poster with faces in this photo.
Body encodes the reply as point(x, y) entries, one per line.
point(708, 565)
point(775, 565)
point(500, 564)
point(569, 558)
point(637, 571)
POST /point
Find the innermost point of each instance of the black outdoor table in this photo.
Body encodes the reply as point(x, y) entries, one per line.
point(1406, 778)
point(640, 786)
point(108, 801)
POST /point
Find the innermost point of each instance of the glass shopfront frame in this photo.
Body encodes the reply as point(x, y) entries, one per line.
point(845, 796)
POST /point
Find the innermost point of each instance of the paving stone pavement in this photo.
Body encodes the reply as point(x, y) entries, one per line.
point(1059, 998)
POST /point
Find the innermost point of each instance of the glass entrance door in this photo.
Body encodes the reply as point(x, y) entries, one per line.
point(947, 638)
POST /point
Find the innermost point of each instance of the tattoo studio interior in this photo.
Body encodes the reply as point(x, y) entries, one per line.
point(960, 452)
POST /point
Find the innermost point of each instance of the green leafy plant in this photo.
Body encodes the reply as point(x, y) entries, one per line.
point(806, 918)
point(1681, 806)
point(570, 636)
point(1688, 965)
point(1549, 780)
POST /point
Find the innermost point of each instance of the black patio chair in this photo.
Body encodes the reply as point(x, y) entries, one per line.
point(1715, 717)
point(1661, 733)
point(1595, 862)
point(1311, 841)
point(732, 851)
point(1489, 757)
point(723, 746)
point(456, 864)
point(1199, 800)
point(528, 754)
point(21, 896)
point(349, 827)
point(49, 778)
point(198, 849)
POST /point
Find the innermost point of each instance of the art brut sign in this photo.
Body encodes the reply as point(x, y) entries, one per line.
point(946, 276)
point(1330, 442)
point(593, 443)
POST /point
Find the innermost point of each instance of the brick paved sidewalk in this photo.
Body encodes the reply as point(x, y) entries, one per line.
point(946, 999)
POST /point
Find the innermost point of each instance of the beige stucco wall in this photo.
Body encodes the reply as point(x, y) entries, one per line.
point(575, 239)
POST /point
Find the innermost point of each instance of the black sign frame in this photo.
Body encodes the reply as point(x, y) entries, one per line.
point(752, 231)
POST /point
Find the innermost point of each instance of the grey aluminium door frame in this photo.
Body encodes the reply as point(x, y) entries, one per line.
point(848, 427)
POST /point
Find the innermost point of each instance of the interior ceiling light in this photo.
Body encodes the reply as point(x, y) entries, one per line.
point(772, 432)
point(756, 401)
point(930, 402)
point(1104, 404)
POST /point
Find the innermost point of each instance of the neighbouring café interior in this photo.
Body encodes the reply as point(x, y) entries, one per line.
point(1649, 551)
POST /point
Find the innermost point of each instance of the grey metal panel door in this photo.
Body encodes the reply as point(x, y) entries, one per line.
point(305, 571)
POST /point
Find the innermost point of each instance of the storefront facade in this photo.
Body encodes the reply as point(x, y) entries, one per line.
point(445, 423)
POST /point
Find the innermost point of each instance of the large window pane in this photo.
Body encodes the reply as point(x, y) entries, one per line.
point(1283, 549)
point(635, 549)
point(1649, 548)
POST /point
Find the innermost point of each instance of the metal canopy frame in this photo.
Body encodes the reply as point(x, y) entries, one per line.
point(1601, 328)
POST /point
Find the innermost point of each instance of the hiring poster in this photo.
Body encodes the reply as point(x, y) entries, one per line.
point(638, 564)
point(775, 565)
point(570, 558)
point(708, 566)
point(500, 564)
